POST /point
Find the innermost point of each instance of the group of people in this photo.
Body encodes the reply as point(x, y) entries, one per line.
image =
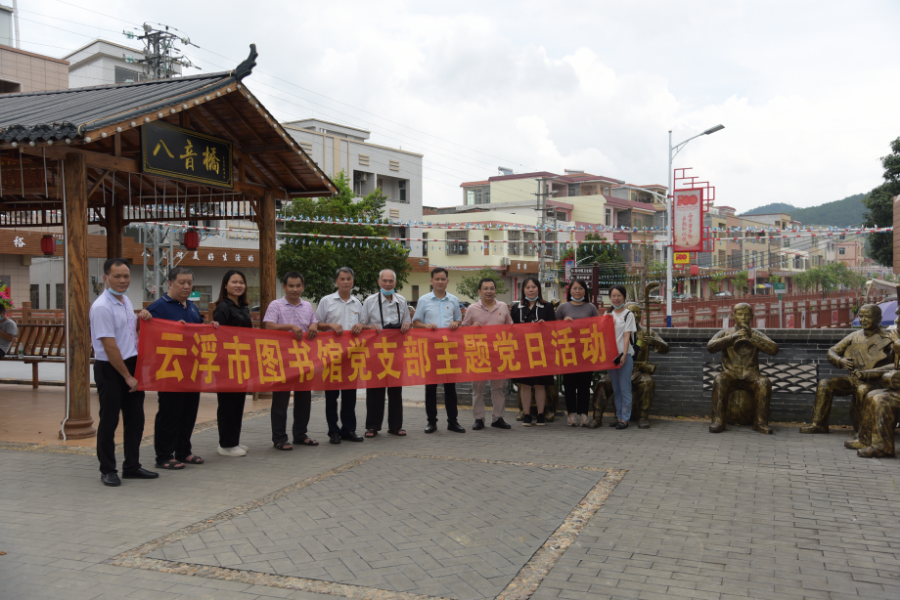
point(114, 333)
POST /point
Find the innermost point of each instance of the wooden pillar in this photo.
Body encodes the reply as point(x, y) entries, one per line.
point(113, 229)
point(267, 268)
point(78, 335)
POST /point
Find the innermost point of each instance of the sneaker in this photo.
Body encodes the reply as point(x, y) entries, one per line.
point(236, 451)
point(244, 448)
point(526, 421)
point(572, 420)
point(541, 420)
point(585, 420)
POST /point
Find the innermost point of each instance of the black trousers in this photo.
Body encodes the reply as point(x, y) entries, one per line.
point(449, 402)
point(578, 392)
point(229, 414)
point(302, 404)
point(375, 408)
point(175, 421)
point(348, 411)
point(115, 397)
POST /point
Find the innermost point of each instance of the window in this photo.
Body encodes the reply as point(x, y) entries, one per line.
point(35, 295)
point(415, 293)
point(47, 296)
point(487, 195)
point(637, 255)
point(60, 296)
point(842, 251)
point(424, 243)
point(401, 185)
point(608, 217)
point(473, 196)
point(722, 259)
point(562, 215)
point(529, 248)
point(124, 75)
point(575, 189)
point(787, 243)
point(456, 243)
point(514, 245)
point(394, 165)
point(205, 292)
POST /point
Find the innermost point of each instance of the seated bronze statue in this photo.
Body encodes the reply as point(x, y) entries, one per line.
point(863, 351)
point(643, 387)
point(740, 347)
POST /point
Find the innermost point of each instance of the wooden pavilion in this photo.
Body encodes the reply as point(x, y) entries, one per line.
point(170, 150)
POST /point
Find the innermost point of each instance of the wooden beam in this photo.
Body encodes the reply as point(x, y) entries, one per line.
point(227, 102)
point(96, 184)
point(117, 145)
point(267, 273)
point(114, 217)
point(78, 343)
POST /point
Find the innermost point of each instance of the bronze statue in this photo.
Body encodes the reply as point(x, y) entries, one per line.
point(863, 351)
point(740, 346)
point(643, 386)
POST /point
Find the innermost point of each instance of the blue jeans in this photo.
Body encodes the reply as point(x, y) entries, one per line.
point(621, 383)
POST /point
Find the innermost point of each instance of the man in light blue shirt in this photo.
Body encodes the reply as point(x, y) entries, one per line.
point(114, 336)
point(437, 310)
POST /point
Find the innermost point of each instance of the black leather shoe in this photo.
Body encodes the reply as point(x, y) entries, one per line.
point(352, 437)
point(139, 474)
point(110, 479)
point(479, 424)
point(334, 438)
point(501, 424)
point(456, 427)
point(432, 427)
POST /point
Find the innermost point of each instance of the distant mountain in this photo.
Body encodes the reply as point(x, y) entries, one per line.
point(840, 213)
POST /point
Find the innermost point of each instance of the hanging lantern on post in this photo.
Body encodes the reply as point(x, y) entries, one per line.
point(48, 245)
point(191, 239)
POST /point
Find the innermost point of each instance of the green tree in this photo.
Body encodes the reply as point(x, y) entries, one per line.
point(740, 281)
point(612, 263)
point(880, 206)
point(468, 286)
point(715, 282)
point(318, 258)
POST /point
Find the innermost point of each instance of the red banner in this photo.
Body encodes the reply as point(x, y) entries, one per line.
point(198, 358)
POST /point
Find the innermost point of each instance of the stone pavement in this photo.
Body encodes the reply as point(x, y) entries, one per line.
point(696, 515)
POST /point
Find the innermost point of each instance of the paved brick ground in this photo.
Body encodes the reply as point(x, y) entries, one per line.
point(736, 515)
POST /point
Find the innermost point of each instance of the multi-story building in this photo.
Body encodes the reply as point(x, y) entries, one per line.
point(102, 62)
point(367, 166)
point(22, 72)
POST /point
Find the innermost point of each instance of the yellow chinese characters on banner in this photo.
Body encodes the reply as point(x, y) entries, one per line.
point(177, 357)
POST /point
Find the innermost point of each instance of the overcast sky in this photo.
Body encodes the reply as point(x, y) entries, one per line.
point(808, 91)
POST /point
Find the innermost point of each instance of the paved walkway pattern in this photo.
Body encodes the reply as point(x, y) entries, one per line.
point(481, 515)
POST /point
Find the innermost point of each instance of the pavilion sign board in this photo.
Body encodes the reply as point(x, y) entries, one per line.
point(187, 155)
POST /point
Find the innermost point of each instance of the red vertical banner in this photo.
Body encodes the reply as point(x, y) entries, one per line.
point(688, 221)
point(199, 358)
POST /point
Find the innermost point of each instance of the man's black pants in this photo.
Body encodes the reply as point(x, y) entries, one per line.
point(115, 398)
point(175, 421)
point(302, 403)
point(229, 415)
point(449, 402)
point(348, 411)
point(375, 408)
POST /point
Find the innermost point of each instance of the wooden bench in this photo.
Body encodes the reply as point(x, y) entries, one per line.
point(37, 343)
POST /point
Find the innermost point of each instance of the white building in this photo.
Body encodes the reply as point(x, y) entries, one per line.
point(398, 173)
point(103, 62)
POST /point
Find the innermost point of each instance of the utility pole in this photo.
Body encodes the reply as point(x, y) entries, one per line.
point(161, 57)
point(541, 207)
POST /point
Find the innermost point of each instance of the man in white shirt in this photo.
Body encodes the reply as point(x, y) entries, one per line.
point(438, 309)
point(337, 312)
point(385, 310)
point(114, 336)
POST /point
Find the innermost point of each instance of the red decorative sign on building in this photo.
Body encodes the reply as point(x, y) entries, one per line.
point(688, 221)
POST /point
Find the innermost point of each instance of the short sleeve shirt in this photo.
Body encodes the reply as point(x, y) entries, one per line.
point(282, 312)
point(478, 313)
point(624, 323)
point(432, 310)
point(333, 309)
point(173, 310)
point(390, 312)
point(113, 319)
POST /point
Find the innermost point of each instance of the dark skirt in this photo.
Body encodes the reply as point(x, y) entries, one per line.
point(546, 380)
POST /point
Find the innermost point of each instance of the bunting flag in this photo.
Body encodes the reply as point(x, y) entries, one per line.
point(175, 357)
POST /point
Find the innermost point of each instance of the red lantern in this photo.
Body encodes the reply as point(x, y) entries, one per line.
point(191, 239)
point(695, 270)
point(48, 245)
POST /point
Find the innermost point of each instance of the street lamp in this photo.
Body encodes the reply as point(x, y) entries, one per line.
point(673, 152)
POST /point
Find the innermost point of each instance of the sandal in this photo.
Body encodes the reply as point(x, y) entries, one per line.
point(370, 433)
point(308, 442)
point(193, 459)
point(170, 465)
point(285, 446)
point(399, 432)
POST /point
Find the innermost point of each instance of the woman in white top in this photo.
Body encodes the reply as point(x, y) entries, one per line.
point(621, 377)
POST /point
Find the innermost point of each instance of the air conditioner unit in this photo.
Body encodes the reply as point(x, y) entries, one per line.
point(504, 261)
